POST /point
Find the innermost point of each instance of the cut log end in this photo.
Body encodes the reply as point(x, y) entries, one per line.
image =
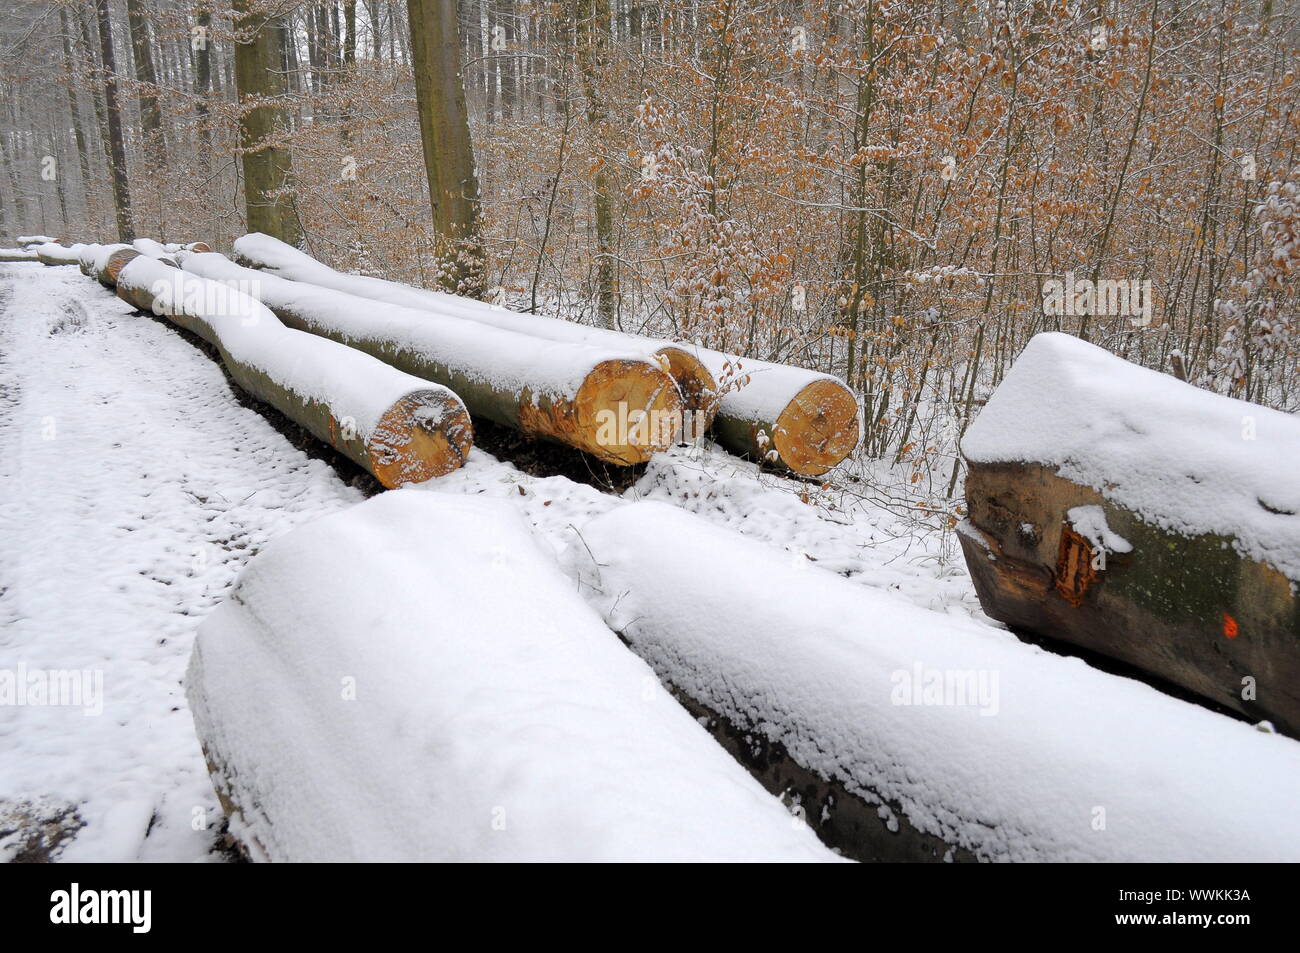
point(698, 388)
point(624, 412)
point(818, 428)
point(113, 266)
point(424, 435)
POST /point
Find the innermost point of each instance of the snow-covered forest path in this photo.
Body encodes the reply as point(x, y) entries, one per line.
point(134, 485)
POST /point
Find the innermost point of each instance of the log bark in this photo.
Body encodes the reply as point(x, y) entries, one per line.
point(400, 428)
point(1172, 607)
point(694, 381)
point(613, 405)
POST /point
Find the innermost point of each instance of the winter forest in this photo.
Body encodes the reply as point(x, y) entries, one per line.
point(988, 308)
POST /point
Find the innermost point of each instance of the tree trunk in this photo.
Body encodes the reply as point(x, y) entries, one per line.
point(592, 21)
point(155, 143)
point(83, 152)
point(260, 80)
point(112, 109)
point(203, 79)
point(448, 150)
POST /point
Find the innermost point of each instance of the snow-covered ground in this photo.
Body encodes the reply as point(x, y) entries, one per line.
point(133, 488)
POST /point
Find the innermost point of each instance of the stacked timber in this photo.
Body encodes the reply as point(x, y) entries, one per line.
point(612, 403)
point(398, 427)
point(695, 383)
point(1121, 510)
point(801, 420)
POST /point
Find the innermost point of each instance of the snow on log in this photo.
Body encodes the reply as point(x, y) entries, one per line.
point(400, 428)
point(24, 240)
point(613, 404)
point(694, 381)
point(1122, 510)
point(87, 256)
point(95, 261)
point(802, 420)
point(17, 254)
point(147, 246)
point(52, 253)
point(413, 679)
point(954, 732)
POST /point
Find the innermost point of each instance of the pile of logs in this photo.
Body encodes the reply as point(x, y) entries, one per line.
point(618, 397)
point(800, 420)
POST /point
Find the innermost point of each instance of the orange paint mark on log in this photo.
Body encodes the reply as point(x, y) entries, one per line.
point(1229, 626)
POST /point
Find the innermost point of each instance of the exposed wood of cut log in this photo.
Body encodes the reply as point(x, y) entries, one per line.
point(400, 428)
point(694, 381)
point(617, 406)
point(799, 419)
point(113, 264)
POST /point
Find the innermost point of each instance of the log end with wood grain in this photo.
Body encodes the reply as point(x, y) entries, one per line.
point(789, 417)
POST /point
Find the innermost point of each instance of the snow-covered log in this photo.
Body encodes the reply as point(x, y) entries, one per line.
point(52, 253)
point(613, 404)
point(788, 416)
point(147, 246)
point(25, 240)
point(954, 732)
point(17, 254)
point(413, 679)
point(87, 256)
point(799, 419)
point(694, 381)
point(400, 428)
point(95, 260)
point(1141, 517)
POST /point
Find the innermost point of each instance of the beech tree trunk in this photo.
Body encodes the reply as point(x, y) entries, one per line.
point(592, 21)
point(155, 143)
point(113, 119)
point(260, 78)
point(448, 151)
